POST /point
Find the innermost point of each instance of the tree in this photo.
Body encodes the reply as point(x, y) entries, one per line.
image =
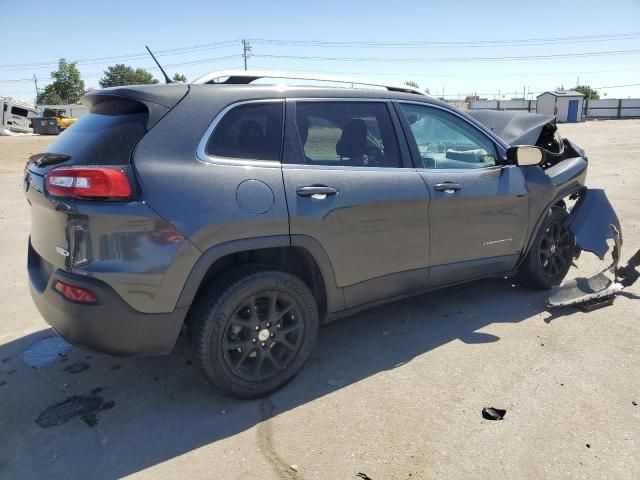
point(588, 92)
point(121, 74)
point(178, 77)
point(67, 86)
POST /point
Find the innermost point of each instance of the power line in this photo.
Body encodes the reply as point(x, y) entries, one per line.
point(432, 75)
point(450, 59)
point(320, 43)
point(130, 56)
point(459, 44)
point(620, 86)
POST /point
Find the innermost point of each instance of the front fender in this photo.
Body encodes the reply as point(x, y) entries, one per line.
point(548, 188)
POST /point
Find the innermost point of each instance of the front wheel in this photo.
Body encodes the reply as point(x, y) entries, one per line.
point(551, 254)
point(253, 330)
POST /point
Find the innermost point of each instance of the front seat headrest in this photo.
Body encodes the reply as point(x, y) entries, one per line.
point(353, 141)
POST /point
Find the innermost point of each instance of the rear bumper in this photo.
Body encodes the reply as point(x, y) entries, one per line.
point(110, 326)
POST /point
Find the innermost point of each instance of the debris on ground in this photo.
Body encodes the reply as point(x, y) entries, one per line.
point(335, 383)
point(364, 476)
point(491, 413)
point(76, 368)
point(294, 467)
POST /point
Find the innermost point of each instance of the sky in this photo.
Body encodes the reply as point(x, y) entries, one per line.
point(449, 47)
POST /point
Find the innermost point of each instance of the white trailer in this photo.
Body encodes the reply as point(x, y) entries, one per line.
point(15, 116)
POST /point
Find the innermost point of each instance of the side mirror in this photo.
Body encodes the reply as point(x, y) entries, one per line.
point(525, 155)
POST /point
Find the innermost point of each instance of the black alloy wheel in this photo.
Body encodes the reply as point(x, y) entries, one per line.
point(253, 328)
point(263, 335)
point(556, 249)
point(551, 253)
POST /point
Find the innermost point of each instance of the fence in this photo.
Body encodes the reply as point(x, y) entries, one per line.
point(511, 105)
point(592, 109)
point(612, 108)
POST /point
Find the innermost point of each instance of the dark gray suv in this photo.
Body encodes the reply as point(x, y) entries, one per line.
point(249, 214)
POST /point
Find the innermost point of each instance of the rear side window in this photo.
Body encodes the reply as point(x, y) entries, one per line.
point(357, 134)
point(252, 131)
point(106, 135)
point(22, 112)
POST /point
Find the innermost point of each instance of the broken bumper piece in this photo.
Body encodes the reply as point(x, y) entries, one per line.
point(593, 221)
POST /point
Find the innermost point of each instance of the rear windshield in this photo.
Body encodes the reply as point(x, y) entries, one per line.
point(105, 136)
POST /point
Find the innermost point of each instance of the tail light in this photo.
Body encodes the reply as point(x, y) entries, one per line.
point(88, 182)
point(75, 294)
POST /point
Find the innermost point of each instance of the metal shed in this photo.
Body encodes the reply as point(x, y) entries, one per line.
point(566, 105)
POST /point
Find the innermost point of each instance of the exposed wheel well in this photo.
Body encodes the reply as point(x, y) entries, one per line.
point(294, 260)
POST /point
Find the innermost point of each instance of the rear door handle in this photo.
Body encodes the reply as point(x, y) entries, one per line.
point(448, 187)
point(319, 190)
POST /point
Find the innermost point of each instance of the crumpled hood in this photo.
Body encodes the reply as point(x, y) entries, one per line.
point(515, 128)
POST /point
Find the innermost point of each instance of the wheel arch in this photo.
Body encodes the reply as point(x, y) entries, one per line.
point(299, 255)
point(558, 201)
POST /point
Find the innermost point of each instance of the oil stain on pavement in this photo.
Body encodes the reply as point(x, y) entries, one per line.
point(85, 407)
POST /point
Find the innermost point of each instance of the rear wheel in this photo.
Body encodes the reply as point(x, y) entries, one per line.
point(253, 330)
point(551, 254)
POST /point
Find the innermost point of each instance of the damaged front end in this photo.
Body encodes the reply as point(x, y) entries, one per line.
point(592, 220)
point(594, 224)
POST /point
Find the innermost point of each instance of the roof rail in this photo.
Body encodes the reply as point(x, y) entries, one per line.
point(245, 77)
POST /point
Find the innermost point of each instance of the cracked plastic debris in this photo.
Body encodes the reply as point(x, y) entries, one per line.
point(593, 221)
point(491, 413)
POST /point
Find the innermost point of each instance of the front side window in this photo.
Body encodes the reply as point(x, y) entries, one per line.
point(251, 131)
point(357, 134)
point(446, 141)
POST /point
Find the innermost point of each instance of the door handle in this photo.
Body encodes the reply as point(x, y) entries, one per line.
point(319, 190)
point(448, 187)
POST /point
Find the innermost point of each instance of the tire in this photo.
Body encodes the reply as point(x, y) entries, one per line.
point(253, 330)
point(551, 253)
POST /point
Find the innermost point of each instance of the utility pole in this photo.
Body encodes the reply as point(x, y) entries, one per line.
point(35, 80)
point(246, 48)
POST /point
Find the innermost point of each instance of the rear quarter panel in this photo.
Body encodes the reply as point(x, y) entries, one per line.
point(199, 198)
